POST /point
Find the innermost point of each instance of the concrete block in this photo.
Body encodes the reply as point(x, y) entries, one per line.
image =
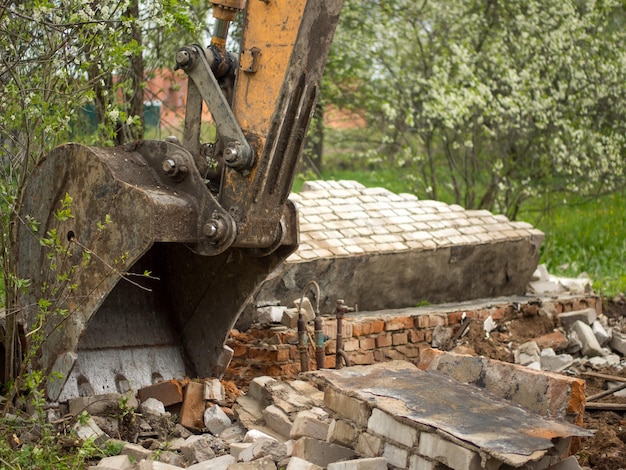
point(290, 318)
point(320, 452)
point(168, 392)
point(270, 314)
point(553, 362)
point(214, 390)
point(110, 425)
point(254, 435)
point(216, 420)
point(192, 411)
point(118, 462)
point(218, 463)
point(233, 433)
point(264, 447)
point(197, 448)
point(591, 347)
point(587, 316)
point(395, 456)
point(306, 308)
point(152, 406)
point(348, 407)
point(296, 463)
point(372, 463)
point(249, 411)
point(602, 334)
point(618, 342)
point(417, 462)
point(154, 465)
point(309, 426)
point(136, 452)
point(277, 420)
point(236, 448)
point(387, 426)
point(342, 432)
point(448, 453)
point(368, 445)
point(172, 458)
point(259, 390)
point(90, 430)
point(264, 463)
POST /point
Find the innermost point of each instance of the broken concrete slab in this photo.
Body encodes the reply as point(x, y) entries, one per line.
point(374, 247)
point(587, 316)
point(591, 346)
point(402, 398)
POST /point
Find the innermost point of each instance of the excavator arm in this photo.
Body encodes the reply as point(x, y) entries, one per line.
point(146, 254)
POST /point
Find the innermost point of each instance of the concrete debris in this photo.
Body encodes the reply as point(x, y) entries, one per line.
point(216, 420)
point(152, 406)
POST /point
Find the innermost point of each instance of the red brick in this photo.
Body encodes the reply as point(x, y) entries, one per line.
point(351, 344)
point(409, 350)
point(437, 320)
point(415, 336)
point(330, 362)
point(498, 313)
point(168, 392)
point(239, 350)
point(192, 411)
point(383, 340)
point(331, 346)
point(483, 313)
point(421, 321)
point(367, 343)
point(556, 340)
point(380, 355)
point(428, 336)
point(400, 338)
point(377, 326)
point(399, 323)
point(359, 359)
point(455, 317)
point(361, 328)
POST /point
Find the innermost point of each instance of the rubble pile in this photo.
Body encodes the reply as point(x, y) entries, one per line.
point(318, 422)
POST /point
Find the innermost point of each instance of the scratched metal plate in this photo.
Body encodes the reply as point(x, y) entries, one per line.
point(466, 412)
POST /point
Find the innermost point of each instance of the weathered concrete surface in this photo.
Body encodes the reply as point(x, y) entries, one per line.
point(383, 250)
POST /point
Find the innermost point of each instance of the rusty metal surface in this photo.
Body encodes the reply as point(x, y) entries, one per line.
point(464, 411)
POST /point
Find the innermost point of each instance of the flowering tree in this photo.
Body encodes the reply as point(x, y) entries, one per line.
point(486, 103)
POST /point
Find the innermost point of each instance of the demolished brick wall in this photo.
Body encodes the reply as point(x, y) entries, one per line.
point(377, 336)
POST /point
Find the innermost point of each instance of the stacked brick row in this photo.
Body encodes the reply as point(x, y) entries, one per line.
point(370, 338)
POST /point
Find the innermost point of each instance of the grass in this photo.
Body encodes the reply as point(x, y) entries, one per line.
point(582, 237)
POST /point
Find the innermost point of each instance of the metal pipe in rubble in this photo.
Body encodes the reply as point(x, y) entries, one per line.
point(340, 310)
point(303, 341)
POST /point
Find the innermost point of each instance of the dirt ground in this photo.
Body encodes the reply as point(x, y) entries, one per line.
point(606, 450)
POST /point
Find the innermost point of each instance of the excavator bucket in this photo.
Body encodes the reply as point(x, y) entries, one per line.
point(142, 257)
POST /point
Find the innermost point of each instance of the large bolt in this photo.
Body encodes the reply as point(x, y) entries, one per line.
point(169, 167)
point(232, 153)
point(211, 228)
